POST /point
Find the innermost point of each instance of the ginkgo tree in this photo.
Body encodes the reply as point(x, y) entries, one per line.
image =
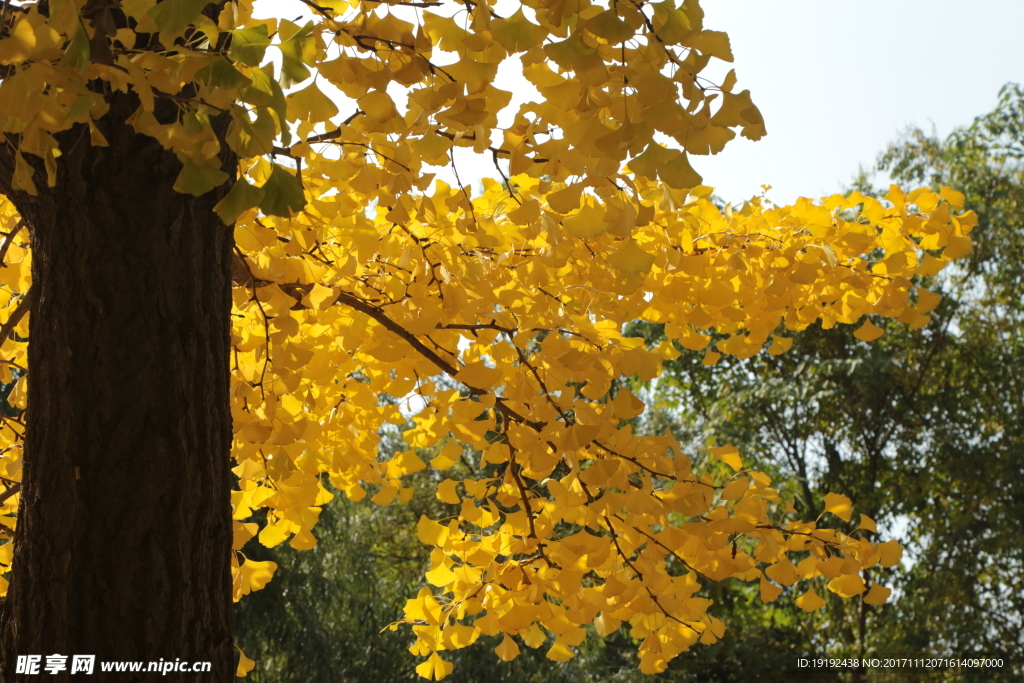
point(212, 273)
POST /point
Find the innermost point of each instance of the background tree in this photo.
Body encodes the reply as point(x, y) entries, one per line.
point(164, 343)
point(921, 428)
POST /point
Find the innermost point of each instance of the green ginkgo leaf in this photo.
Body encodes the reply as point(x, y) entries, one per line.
point(282, 194)
point(198, 180)
point(239, 199)
point(172, 16)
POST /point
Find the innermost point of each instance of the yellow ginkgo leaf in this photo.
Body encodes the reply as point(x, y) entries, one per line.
point(587, 222)
point(867, 524)
point(868, 332)
point(631, 258)
point(839, 505)
point(535, 637)
point(648, 163)
point(274, 534)
point(443, 461)
point(713, 43)
point(926, 300)
point(311, 104)
point(242, 534)
point(479, 376)
point(678, 173)
point(892, 553)
point(728, 454)
point(255, 575)
point(320, 297)
point(507, 649)
point(780, 345)
point(783, 572)
point(435, 668)
point(847, 585)
point(954, 197)
point(769, 591)
point(566, 199)
point(23, 174)
point(386, 495)
point(245, 665)
point(878, 595)
point(810, 601)
point(957, 247)
point(517, 33)
point(430, 532)
point(560, 652)
point(18, 46)
point(446, 492)
point(407, 462)
point(735, 489)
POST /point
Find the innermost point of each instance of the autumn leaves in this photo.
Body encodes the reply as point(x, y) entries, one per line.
point(489, 322)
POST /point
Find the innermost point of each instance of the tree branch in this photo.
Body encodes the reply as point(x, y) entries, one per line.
point(26, 303)
point(8, 241)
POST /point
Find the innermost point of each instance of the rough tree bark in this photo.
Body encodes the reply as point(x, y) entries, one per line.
point(124, 529)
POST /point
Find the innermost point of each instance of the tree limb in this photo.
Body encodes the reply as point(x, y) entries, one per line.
point(18, 314)
point(8, 241)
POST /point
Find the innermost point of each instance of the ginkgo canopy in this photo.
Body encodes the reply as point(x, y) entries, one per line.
point(494, 313)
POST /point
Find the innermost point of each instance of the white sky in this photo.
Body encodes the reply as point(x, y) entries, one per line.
point(836, 81)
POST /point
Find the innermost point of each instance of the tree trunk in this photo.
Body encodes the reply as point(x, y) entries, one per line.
point(123, 541)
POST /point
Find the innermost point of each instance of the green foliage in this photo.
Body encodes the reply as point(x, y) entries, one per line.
point(966, 497)
point(320, 619)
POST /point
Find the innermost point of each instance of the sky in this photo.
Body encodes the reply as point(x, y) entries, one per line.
point(837, 81)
